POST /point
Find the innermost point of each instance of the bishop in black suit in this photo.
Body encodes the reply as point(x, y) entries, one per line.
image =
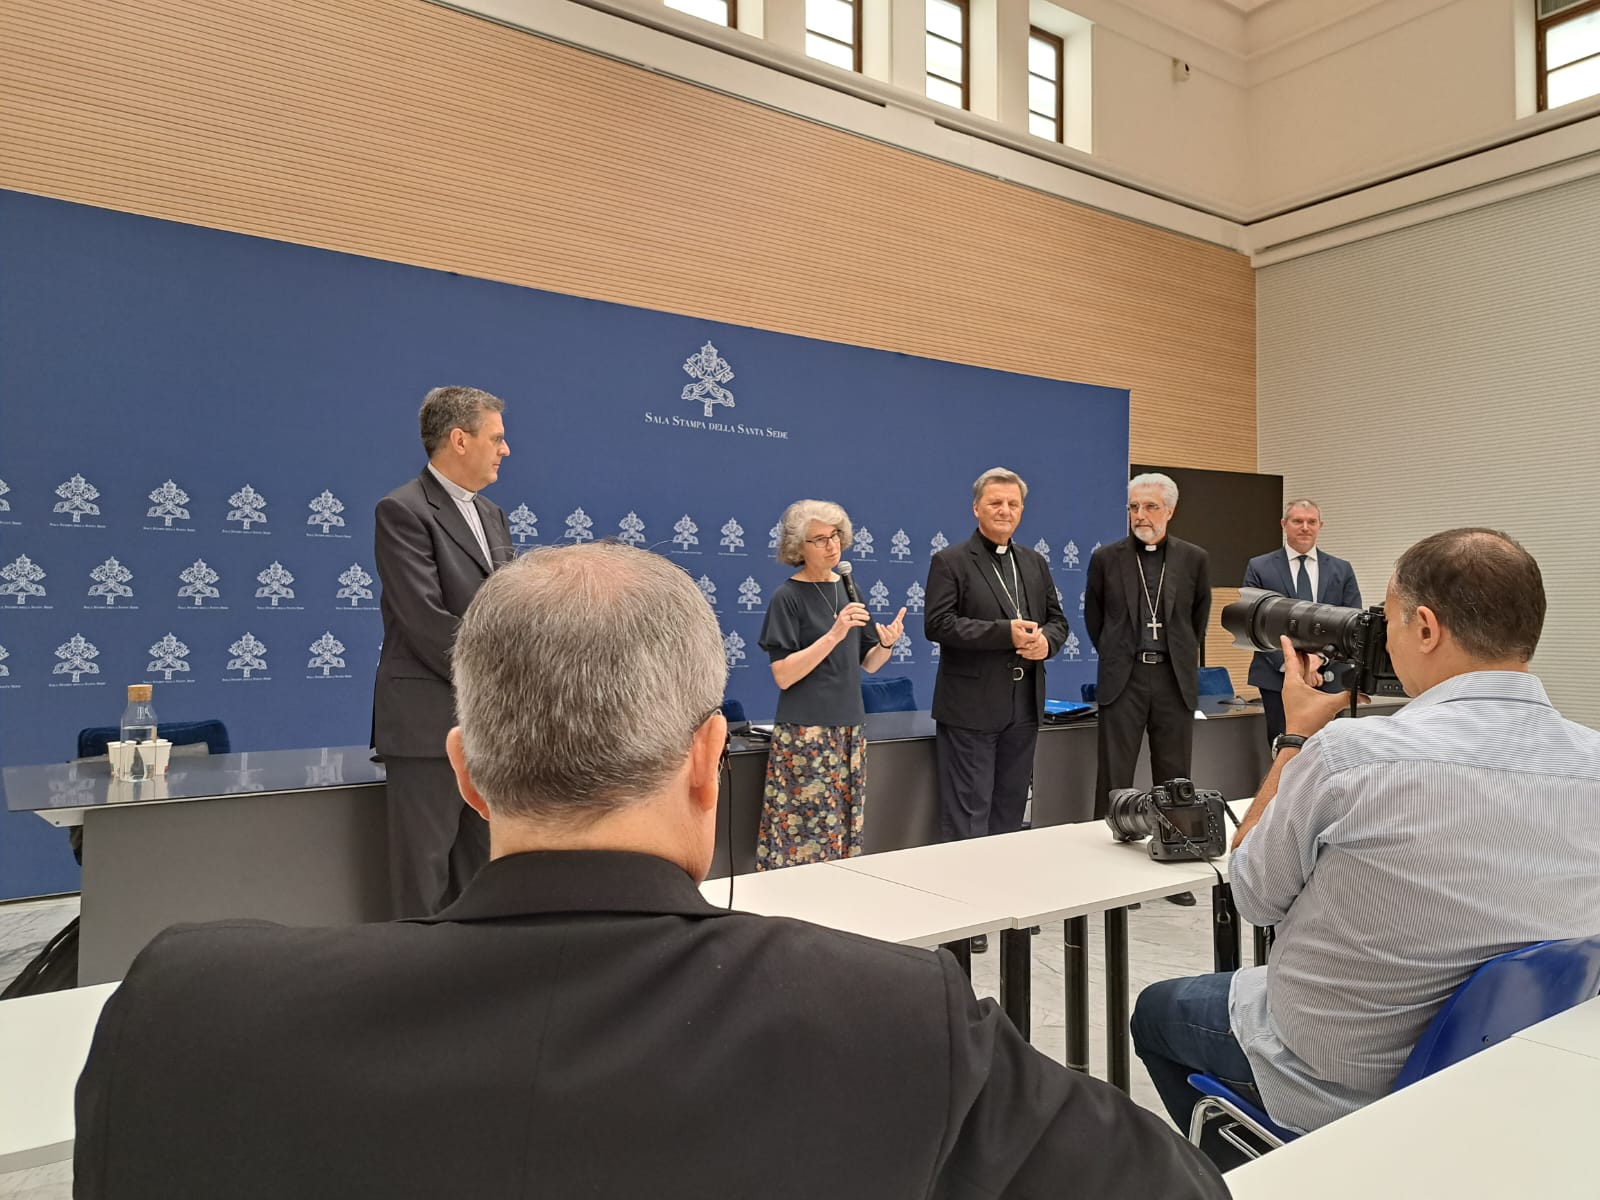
point(992, 607)
point(436, 540)
point(1146, 607)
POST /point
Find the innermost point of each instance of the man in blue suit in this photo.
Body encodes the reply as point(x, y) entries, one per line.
point(1303, 571)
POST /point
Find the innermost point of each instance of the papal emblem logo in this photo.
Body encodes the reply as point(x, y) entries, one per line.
point(77, 655)
point(709, 371)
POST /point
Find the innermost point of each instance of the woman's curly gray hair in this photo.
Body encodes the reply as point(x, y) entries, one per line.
point(797, 519)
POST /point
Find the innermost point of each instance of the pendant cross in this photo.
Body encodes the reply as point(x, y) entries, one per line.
point(1154, 626)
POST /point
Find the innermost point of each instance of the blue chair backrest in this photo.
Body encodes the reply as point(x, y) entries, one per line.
point(733, 710)
point(1215, 681)
point(1087, 691)
point(92, 741)
point(894, 694)
point(1504, 996)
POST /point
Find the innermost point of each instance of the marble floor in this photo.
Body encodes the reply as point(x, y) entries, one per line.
point(1164, 940)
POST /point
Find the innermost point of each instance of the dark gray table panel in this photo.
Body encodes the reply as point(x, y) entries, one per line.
point(302, 858)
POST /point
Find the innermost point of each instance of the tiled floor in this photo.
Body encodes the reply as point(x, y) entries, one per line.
point(1163, 941)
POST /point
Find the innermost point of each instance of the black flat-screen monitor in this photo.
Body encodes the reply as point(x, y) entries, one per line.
point(1233, 514)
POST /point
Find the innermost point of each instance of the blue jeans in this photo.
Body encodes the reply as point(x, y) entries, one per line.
point(1180, 1026)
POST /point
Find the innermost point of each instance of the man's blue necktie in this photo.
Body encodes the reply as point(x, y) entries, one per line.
point(1302, 579)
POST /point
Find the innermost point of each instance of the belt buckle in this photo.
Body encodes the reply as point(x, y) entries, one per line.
point(1018, 674)
point(1149, 657)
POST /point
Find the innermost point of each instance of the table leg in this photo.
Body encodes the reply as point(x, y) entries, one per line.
point(1225, 947)
point(1016, 978)
point(1117, 998)
point(1263, 944)
point(1075, 941)
point(961, 948)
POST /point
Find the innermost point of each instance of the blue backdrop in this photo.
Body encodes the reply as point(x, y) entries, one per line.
point(198, 424)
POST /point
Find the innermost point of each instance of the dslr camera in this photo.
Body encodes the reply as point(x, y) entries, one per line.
point(1258, 618)
point(1183, 822)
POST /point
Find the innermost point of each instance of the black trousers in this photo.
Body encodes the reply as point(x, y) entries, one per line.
point(436, 843)
point(1149, 703)
point(984, 777)
point(1272, 705)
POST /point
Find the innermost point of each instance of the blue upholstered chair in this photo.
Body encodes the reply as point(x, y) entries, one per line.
point(92, 741)
point(1502, 997)
point(733, 710)
point(894, 694)
point(1215, 681)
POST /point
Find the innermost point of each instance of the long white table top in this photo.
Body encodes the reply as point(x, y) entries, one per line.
point(1038, 875)
point(1512, 1121)
point(44, 1041)
point(826, 895)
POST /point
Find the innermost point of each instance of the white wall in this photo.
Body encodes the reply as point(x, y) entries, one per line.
point(1444, 78)
point(1444, 375)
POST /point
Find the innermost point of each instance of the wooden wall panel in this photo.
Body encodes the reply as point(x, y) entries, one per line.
point(405, 131)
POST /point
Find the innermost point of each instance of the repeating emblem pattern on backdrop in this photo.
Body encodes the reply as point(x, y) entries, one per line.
point(167, 656)
point(630, 530)
point(197, 580)
point(249, 508)
point(325, 510)
point(326, 653)
point(355, 588)
point(167, 504)
point(77, 655)
point(900, 546)
point(249, 654)
point(684, 535)
point(733, 649)
point(275, 581)
point(111, 581)
point(732, 539)
point(861, 543)
point(749, 594)
point(579, 527)
point(21, 579)
point(78, 498)
point(524, 523)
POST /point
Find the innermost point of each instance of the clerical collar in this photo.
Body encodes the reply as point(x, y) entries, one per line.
point(454, 490)
point(994, 547)
point(1147, 545)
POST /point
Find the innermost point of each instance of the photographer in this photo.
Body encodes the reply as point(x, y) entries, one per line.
point(1395, 854)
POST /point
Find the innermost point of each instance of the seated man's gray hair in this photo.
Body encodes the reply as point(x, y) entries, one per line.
point(581, 674)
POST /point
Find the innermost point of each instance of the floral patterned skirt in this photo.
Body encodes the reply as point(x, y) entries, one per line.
point(812, 808)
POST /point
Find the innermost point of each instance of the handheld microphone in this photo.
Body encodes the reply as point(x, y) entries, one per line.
point(850, 589)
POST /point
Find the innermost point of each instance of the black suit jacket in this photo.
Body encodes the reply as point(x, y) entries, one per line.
point(1336, 584)
point(430, 567)
point(966, 611)
point(586, 1024)
point(1111, 609)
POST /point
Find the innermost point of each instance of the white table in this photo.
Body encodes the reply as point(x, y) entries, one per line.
point(1062, 873)
point(44, 1041)
point(826, 895)
point(1512, 1121)
point(1577, 1030)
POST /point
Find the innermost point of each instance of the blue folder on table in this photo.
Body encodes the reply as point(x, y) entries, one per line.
point(1066, 710)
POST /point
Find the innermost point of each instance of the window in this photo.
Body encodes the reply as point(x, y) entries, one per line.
point(1045, 107)
point(833, 32)
point(1568, 37)
point(947, 27)
point(718, 12)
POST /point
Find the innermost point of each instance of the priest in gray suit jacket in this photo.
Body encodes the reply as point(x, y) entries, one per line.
point(436, 541)
point(1298, 569)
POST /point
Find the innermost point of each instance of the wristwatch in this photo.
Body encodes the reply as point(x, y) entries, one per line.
point(1287, 741)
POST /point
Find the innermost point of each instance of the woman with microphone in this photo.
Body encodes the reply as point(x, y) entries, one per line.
point(820, 638)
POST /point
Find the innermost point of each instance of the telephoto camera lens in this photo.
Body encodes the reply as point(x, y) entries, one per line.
point(1129, 815)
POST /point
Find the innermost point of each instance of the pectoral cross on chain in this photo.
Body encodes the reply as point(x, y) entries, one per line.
point(1154, 626)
